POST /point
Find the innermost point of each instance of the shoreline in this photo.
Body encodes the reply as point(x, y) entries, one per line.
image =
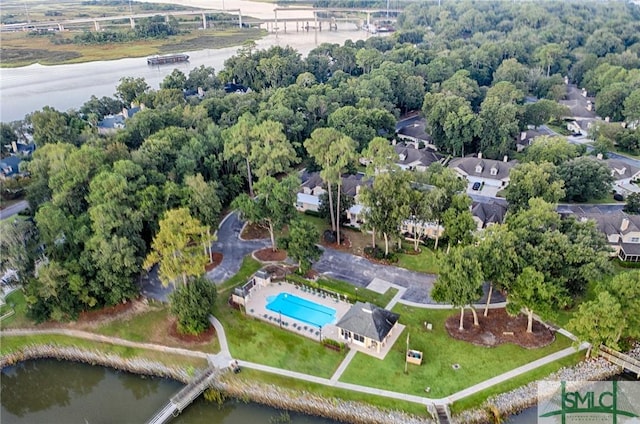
point(507, 404)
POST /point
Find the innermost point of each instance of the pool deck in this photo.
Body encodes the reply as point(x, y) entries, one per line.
point(256, 307)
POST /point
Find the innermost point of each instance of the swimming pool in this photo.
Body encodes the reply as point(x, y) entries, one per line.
point(301, 309)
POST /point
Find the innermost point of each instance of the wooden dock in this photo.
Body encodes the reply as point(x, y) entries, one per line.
point(620, 359)
point(185, 396)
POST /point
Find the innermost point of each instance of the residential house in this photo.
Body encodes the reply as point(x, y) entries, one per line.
point(424, 229)
point(623, 175)
point(308, 199)
point(621, 229)
point(112, 123)
point(526, 139)
point(489, 213)
point(411, 157)
point(10, 167)
point(415, 133)
point(492, 173)
point(367, 325)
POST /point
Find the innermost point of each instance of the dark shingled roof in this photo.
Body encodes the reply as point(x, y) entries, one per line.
point(349, 182)
point(368, 320)
point(489, 213)
point(470, 165)
point(409, 154)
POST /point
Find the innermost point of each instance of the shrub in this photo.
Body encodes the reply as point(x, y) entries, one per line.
point(333, 344)
point(192, 303)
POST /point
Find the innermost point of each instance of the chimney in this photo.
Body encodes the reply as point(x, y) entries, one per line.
point(125, 112)
point(599, 156)
point(393, 142)
point(607, 119)
point(14, 147)
point(523, 135)
point(479, 155)
point(416, 145)
point(624, 225)
point(200, 92)
point(142, 106)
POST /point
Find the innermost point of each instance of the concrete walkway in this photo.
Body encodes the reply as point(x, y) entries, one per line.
point(223, 358)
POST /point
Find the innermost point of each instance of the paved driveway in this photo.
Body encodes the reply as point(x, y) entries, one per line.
point(333, 263)
point(233, 249)
point(360, 271)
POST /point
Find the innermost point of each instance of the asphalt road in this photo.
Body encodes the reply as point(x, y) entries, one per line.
point(13, 209)
point(333, 263)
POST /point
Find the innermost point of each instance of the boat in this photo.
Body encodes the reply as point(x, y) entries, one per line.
point(170, 58)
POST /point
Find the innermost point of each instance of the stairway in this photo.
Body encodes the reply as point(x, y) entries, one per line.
point(443, 416)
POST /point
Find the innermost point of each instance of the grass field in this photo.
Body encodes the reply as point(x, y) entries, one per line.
point(440, 353)
point(328, 392)
point(147, 327)
point(14, 343)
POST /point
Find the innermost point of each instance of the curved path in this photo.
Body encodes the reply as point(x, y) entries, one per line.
point(222, 360)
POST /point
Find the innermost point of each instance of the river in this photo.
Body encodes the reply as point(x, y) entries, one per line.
point(27, 89)
point(51, 392)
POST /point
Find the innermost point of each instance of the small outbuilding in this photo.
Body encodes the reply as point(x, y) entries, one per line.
point(367, 325)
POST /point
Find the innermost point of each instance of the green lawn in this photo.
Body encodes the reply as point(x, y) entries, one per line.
point(247, 269)
point(256, 341)
point(13, 343)
point(328, 392)
point(142, 328)
point(440, 352)
point(476, 400)
point(426, 261)
point(19, 319)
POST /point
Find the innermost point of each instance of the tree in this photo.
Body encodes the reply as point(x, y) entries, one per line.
point(175, 80)
point(458, 221)
point(530, 292)
point(130, 89)
point(203, 200)
point(178, 247)
point(548, 54)
point(530, 180)
point(237, 143)
point(631, 110)
point(334, 152)
point(497, 126)
point(17, 239)
point(585, 178)
point(609, 101)
point(543, 111)
point(202, 77)
point(633, 204)
point(599, 321)
point(460, 281)
point(555, 150)
point(300, 244)
point(380, 156)
point(50, 126)
point(450, 121)
point(325, 211)
point(625, 287)
point(387, 204)
point(270, 153)
point(7, 134)
point(192, 304)
point(274, 204)
point(498, 257)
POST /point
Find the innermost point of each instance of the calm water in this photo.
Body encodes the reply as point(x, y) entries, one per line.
point(27, 89)
point(52, 392)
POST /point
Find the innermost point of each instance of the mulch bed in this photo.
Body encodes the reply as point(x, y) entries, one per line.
point(344, 246)
point(202, 338)
point(254, 232)
point(268, 255)
point(216, 258)
point(492, 329)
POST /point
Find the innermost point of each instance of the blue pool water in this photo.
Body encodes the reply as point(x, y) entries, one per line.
point(301, 309)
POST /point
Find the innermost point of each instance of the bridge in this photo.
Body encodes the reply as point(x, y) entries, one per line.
point(185, 396)
point(625, 361)
point(22, 26)
point(327, 13)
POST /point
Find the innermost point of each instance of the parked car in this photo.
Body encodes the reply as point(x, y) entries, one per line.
point(476, 186)
point(618, 197)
